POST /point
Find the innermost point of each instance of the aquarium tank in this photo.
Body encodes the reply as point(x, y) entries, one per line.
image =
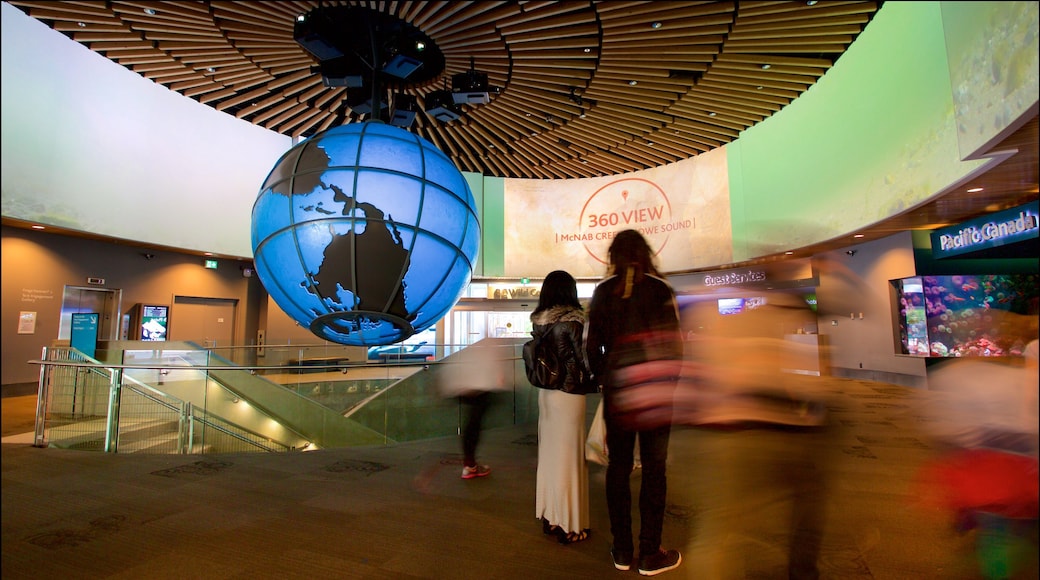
point(966, 315)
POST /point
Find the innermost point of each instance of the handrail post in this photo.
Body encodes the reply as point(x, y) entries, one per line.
point(187, 425)
point(112, 423)
point(42, 394)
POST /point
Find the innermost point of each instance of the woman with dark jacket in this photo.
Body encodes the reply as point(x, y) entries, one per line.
point(634, 347)
point(562, 482)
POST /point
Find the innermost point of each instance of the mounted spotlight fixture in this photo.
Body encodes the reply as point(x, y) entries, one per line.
point(345, 71)
point(576, 97)
point(470, 87)
point(402, 114)
point(441, 106)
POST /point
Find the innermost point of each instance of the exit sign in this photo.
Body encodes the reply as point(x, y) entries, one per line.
point(211, 264)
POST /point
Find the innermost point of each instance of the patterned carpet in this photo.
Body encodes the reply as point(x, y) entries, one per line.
point(403, 511)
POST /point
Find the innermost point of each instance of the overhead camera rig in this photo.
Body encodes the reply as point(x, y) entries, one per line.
point(360, 48)
point(365, 50)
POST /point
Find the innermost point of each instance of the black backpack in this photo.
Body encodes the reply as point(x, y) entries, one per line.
point(541, 363)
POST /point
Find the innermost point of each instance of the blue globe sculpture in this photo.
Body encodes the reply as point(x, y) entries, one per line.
point(365, 234)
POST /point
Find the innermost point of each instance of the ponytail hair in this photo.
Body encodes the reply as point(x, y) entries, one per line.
point(630, 257)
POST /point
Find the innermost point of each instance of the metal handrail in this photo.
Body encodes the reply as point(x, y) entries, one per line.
point(212, 376)
point(116, 379)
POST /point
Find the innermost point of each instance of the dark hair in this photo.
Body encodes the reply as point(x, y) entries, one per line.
point(558, 289)
point(630, 256)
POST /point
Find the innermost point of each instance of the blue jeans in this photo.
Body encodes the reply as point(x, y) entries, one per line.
point(653, 450)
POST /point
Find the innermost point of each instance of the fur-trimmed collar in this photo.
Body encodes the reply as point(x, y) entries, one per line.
point(558, 314)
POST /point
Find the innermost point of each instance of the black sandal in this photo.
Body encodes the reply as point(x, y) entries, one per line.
point(572, 537)
point(551, 530)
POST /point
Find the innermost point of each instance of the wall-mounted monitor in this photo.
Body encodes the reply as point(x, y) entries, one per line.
point(155, 322)
point(965, 315)
point(731, 305)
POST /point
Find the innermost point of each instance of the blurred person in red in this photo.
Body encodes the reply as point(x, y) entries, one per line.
point(761, 429)
point(635, 349)
point(983, 413)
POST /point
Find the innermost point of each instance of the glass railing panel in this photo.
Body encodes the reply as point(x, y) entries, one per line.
point(149, 422)
point(354, 403)
point(77, 407)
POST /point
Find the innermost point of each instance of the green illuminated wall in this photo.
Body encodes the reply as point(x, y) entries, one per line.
point(881, 133)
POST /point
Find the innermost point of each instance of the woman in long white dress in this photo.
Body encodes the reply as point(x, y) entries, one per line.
point(562, 494)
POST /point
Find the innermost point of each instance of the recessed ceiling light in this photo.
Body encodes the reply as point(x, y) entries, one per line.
point(758, 88)
point(975, 189)
point(150, 11)
point(81, 24)
point(211, 69)
point(858, 236)
point(588, 50)
point(767, 66)
point(38, 227)
point(788, 253)
point(711, 113)
point(633, 83)
point(655, 25)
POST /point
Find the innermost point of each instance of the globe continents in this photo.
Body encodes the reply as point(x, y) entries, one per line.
point(365, 234)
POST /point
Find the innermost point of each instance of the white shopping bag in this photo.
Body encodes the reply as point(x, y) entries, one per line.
point(596, 442)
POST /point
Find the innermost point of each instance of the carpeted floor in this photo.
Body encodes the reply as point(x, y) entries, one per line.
point(403, 511)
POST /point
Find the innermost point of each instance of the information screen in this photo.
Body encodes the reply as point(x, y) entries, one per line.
point(154, 322)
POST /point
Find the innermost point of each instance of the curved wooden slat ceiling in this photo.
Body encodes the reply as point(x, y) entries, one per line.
point(587, 88)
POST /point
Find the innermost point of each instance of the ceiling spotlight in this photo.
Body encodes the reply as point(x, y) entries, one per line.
point(767, 66)
point(633, 83)
point(150, 11)
point(655, 25)
point(588, 50)
point(575, 96)
point(711, 113)
point(975, 189)
point(850, 252)
point(858, 236)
